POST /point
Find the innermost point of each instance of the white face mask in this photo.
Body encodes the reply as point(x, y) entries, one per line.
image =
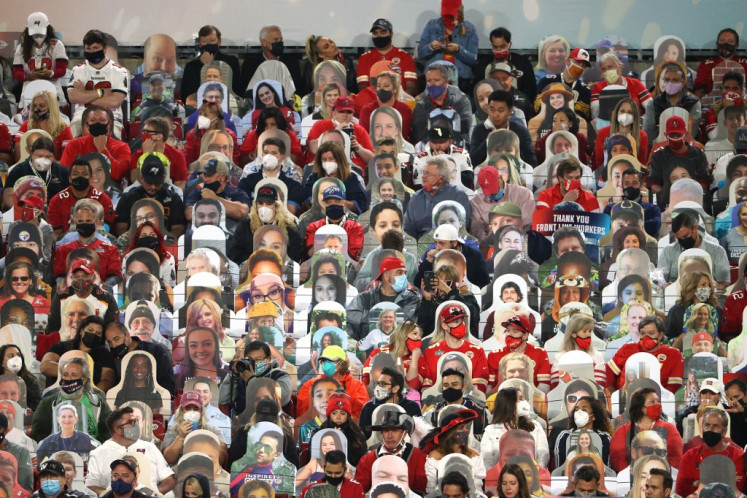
point(703, 293)
point(203, 122)
point(192, 416)
point(265, 214)
point(41, 164)
point(270, 162)
point(381, 393)
point(625, 119)
point(581, 418)
point(14, 364)
point(329, 167)
point(523, 409)
point(38, 39)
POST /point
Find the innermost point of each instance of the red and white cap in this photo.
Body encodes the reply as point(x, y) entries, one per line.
point(37, 23)
point(451, 313)
point(676, 124)
point(82, 264)
point(580, 55)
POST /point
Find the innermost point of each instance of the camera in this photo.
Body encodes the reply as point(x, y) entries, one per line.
point(243, 365)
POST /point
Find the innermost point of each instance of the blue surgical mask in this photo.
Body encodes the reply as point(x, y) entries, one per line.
point(400, 283)
point(497, 196)
point(51, 487)
point(329, 368)
point(435, 91)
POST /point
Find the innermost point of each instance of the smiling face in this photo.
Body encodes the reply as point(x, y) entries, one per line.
point(266, 96)
point(20, 281)
point(325, 289)
point(385, 126)
point(205, 318)
point(388, 219)
point(322, 392)
point(201, 348)
point(633, 291)
point(555, 56)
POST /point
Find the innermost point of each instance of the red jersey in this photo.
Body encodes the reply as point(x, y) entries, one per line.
point(61, 207)
point(689, 469)
point(110, 262)
point(704, 77)
point(549, 198)
point(542, 365)
point(60, 141)
point(117, 152)
point(177, 170)
point(635, 88)
point(401, 62)
point(731, 314)
point(361, 135)
point(669, 358)
point(366, 377)
point(428, 367)
point(5, 139)
point(353, 229)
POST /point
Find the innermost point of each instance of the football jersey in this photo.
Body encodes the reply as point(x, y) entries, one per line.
point(111, 75)
point(428, 366)
point(401, 62)
point(44, 57)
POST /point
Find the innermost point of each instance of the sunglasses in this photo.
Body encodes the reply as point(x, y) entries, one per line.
point(648, 450)
point(21, 279)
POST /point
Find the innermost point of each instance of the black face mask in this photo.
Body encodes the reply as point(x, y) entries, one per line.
point(632, 193)
point(451, 394)
point(214, 186)
point(148, 242)
point(211, 48)
point(120, 350)
point(41, 115)
point(80, 183)
point(382, 41)
point(726, 49)
point(334, 481)
point(384, 95)
point(686, 243)
point(85, 230)
point(91, 340)
point(98, 129)
point(277, 48)
point(711, 438)
point(94, 57)
point(71, 386)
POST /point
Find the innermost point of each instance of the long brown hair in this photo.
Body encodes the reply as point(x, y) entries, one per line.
point(504, 411)
point(27, 42)
point(343, 167)
point(518, 473)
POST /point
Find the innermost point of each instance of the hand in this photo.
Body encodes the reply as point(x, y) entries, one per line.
point(436, 45)
point(78, 85)
point(239, 349)
point(185, 428)
point(206, 57)
point(571, 196)
point(442, 285)
point(735, 407)
point(149, 145)
point(100, 142)
point(431, 255)
point(452, 48)
point(208, 194)
point(353, 142)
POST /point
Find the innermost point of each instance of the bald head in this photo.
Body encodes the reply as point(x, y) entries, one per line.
point(390, 468)
point(159, 53)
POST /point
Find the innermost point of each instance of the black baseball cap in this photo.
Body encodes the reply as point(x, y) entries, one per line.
point(153, 170)
point(268, 193)
point(438, 133)
point(382, 23)
point(126, 463)
point(51, 467)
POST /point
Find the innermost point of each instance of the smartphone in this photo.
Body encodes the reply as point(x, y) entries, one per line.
point(572, 185)
point(428, 278)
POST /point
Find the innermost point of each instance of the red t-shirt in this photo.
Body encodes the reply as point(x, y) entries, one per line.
point(61, 207)
point(704, 77)
point(637, 91)
point(428, 367)
point(549, 198)
point(689, 469)
point(60, 141)
point(361, 135)
point(110, 262)
point(353, 229)
point(117, 152)
point(178, 169)
point(669, 358)
point(542, 366)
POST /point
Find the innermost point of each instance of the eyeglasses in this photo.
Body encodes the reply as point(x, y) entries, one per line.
point(219, 148)
point(648, 450)
point(148, 217)
point(21, 279)
point(274, 294)
point(383, 384)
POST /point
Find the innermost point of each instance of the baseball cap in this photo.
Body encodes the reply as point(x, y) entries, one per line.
point(580, 55)
point(438, 132)
point(34, 201)
point(214, 166)
point(447, 232)
point(702, 336)
point(191, 398)
point(333, 192)
point(740, 140)
point(268, 193)
point(82, 264)
point(451, 313)
point(381, 23)
point(124, 462)
point(344, 104)
point(487, 178)
point(37, 23)
point(713, 385)
point(153, 170)
point(333, 353)
point(521, 322)
point(390, 263)
point(51, 467)
point(676, 124)
point(506, 208)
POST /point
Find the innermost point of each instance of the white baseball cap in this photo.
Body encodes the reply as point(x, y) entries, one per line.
point(713, 385)
point(447, 232)
point(37, 23)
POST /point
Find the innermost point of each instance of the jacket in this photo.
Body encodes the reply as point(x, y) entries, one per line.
point(353, 387)
point(478, 142)
point(415, 459)
point(41, 424)
point(481, 206)
point(353, 229)
point(358, 309)
point(464, 59)
point(419, 213)
point(455, 99)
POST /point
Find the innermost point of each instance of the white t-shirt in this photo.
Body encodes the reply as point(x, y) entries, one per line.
point(99, 473)
point(111, 75)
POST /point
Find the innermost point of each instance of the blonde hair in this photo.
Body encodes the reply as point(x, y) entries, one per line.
point(690, 323)
point(56, 124)
point(283, 218)
point(193, 313)
point(577, 322)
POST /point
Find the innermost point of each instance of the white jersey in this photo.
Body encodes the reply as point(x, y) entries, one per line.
point(111, 75)
point(46, 57)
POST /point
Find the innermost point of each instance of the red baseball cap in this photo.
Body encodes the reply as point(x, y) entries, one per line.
point(676, 124)
point(82, 264)
point(580, 55)
point(344, 104)
point(390, 263)
point(34, 201)
point(451, 313)
point(488, 180)
point(702, 336)
point(521, 322)
point(191, 397)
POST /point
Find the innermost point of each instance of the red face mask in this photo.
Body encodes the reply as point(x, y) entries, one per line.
point(459, 331)
point(648, 343)
point(413, 345)
point(654, 411)
point(733, 96)
point(28, 214)
point(583, 343)
point(513, 343)
point(676, 143)
point(500, 55)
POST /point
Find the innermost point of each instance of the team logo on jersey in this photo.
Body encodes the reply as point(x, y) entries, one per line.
point(469, 354)
point(662, 358)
